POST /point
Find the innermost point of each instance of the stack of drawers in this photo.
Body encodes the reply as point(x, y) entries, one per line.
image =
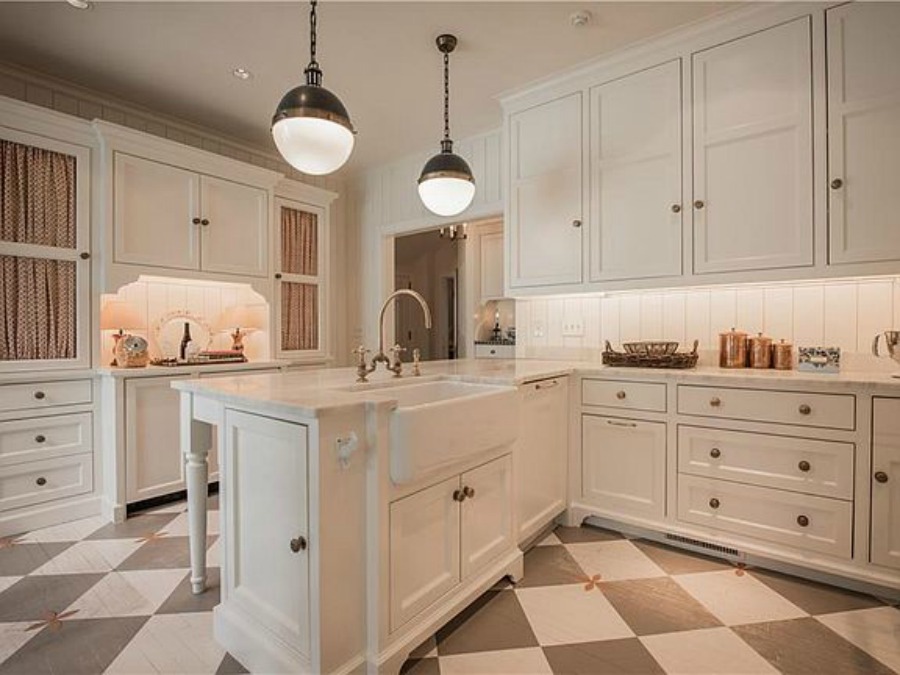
point(776, 486)
point(46, 446)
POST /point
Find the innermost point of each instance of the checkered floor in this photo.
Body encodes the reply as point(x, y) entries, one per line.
point(88, 597)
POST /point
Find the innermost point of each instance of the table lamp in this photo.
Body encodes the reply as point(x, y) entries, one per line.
point(242, 320)
point(119, 316)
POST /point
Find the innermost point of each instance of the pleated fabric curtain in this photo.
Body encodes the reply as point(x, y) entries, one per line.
point(299, 300)
point(37, 206)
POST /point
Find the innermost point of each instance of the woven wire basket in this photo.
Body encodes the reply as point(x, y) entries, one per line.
point(678, 360)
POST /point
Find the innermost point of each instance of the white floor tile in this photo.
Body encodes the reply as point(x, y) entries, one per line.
point(710, 651)
point(171, 643)
point(134, 593)
point(614, 560)
point(876, 631)
point(99, 555)
point(737, 599)
point(506, 662)
point(569, 614)
point(179, 526)
point(73, 531)
point(13, 636)
point(213, 554)
point(550, 540)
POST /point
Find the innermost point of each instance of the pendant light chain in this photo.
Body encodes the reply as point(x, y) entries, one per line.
point(313, 72)
point(446, 97)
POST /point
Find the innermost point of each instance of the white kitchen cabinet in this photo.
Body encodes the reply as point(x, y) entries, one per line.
point(752, 152)
point(635, 175)
point(624, 465)
point(541, 455)
point(490, 262)
point(487, 515)
point(863, 42)
point(545, 209)
point(165, 216)
point(885, 549)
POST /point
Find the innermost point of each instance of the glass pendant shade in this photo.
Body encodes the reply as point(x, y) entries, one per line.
point(446, 186)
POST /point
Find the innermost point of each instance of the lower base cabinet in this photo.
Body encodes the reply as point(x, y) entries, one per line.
point(441, 535)
point(624, 465)
point(885, 480)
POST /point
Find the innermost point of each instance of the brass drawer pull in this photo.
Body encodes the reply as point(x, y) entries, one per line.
point(802, 521)
point(715, 453)
point(616, 423)
point(40, 438)
point(541, 385)
point(714, 503)
point(621, 395)
point(881, 477)
point(715, 401)
point(805, 409)
point(459, 496)
point(804, 466)
point(298, 544)
point(469, 492)
point(41, 481)
point(39, 395)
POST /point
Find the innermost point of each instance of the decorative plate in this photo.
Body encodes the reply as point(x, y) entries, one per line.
point(169, 329)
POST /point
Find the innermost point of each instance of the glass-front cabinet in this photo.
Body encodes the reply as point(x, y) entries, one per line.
point(44, 252)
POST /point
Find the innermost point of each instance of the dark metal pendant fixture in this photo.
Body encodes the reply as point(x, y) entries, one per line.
point(311, 127)
point(446, 185)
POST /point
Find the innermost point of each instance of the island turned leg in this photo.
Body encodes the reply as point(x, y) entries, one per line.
point(195, 440)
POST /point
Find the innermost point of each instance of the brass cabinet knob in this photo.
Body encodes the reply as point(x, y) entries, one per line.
point(837, 184)
point(41, 481)
point(39, 395)
point(699, 204)
point(714, 503)
point(84, 255)
point(298, 544)
point(804, 409)
point(620, 395)
point(715, 401)
point(715, 453)
point(459, 496)
point(204, 222)
point(881, 477)
point(804, 466)
point(469, 492)
point(278, 275)
point(40, 438)
point(195, 221)
point(576, 223)
point(493, 351)
point(802, 521)
point(676, 208)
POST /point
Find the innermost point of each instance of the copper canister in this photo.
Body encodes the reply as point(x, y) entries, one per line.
point(760, 351)
point(732, 349)
point(782, 355)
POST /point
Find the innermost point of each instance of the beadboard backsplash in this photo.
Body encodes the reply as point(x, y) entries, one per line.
point(844, 313)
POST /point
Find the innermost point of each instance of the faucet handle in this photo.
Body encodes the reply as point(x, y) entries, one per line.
point(396, 351)
point(360, 352)
point(417, 358)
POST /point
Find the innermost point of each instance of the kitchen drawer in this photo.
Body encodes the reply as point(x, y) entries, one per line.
point(830, 411)
point(800, 464)
point(37, 438)
point(45, 480)
point(495, 351)
point(764, 513)
point(44, 395)
point(650, 396)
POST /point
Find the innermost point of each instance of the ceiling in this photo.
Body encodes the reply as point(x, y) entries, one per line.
point(379, 57)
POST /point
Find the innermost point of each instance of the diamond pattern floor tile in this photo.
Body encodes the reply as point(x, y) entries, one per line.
point(614, 560)
point(711, 651)
point(571, 614)
point(877, 631)
point(31, 598)
point(495, 621)
point(610, 657)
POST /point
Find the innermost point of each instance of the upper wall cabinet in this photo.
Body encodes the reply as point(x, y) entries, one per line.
point(753, 158)
point(635, 175)
point(545, 206)
point(864, 132)
point(165, 216)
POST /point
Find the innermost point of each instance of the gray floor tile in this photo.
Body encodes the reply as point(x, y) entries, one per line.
point(550, 566)
point(136, 527)
point(806, 647)
point(677, 561)
point(495, 621)
point(659, 605)
point(87, 646)
point(162, 553)
point(183, 600)
point(32, 598)
point(17, 560)
point(609, 657)
point(231, 666)
point(585, 533)
point(813, 597)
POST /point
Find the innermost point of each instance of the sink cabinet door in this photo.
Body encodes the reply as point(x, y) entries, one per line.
point(487, 529)
point(424, 549)
point(266, 507)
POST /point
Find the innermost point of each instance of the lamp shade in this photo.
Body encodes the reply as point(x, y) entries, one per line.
point(446, 186)
point(245, 317)
point(120, 315)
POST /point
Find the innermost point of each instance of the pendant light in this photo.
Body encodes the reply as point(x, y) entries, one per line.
point(311, 126)
point(446, 185)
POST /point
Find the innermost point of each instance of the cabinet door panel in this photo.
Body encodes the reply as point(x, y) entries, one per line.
point(424, 553)
point(636, 175)
point(491, 265)
point(546, 194)
point(154, 206)
point(487, 529)
point(236, 239)
point(266, 467)
point(624, 467)
point(864, 132)
point(753, 152)
point(886, 495)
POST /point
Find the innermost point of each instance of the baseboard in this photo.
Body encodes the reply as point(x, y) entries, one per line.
point(47, 515)
point(255, 648)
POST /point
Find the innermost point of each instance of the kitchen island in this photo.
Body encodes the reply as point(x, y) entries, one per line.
point(338, 559)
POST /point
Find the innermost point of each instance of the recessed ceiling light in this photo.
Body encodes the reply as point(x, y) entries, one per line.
point(79, 4)
point(242, 73)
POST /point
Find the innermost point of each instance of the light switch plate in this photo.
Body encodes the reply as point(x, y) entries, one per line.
point(573, 328)
point(537, 329)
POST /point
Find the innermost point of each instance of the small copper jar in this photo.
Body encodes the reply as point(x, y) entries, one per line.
point(782, 355)
point(733, 349)
point(760, 351)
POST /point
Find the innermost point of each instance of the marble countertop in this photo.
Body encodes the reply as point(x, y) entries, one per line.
point(309, 393)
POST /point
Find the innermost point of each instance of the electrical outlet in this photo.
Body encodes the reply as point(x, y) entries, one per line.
point(537, 329)
point(573, 328)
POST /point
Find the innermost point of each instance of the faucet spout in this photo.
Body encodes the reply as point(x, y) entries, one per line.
point(426, 310)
